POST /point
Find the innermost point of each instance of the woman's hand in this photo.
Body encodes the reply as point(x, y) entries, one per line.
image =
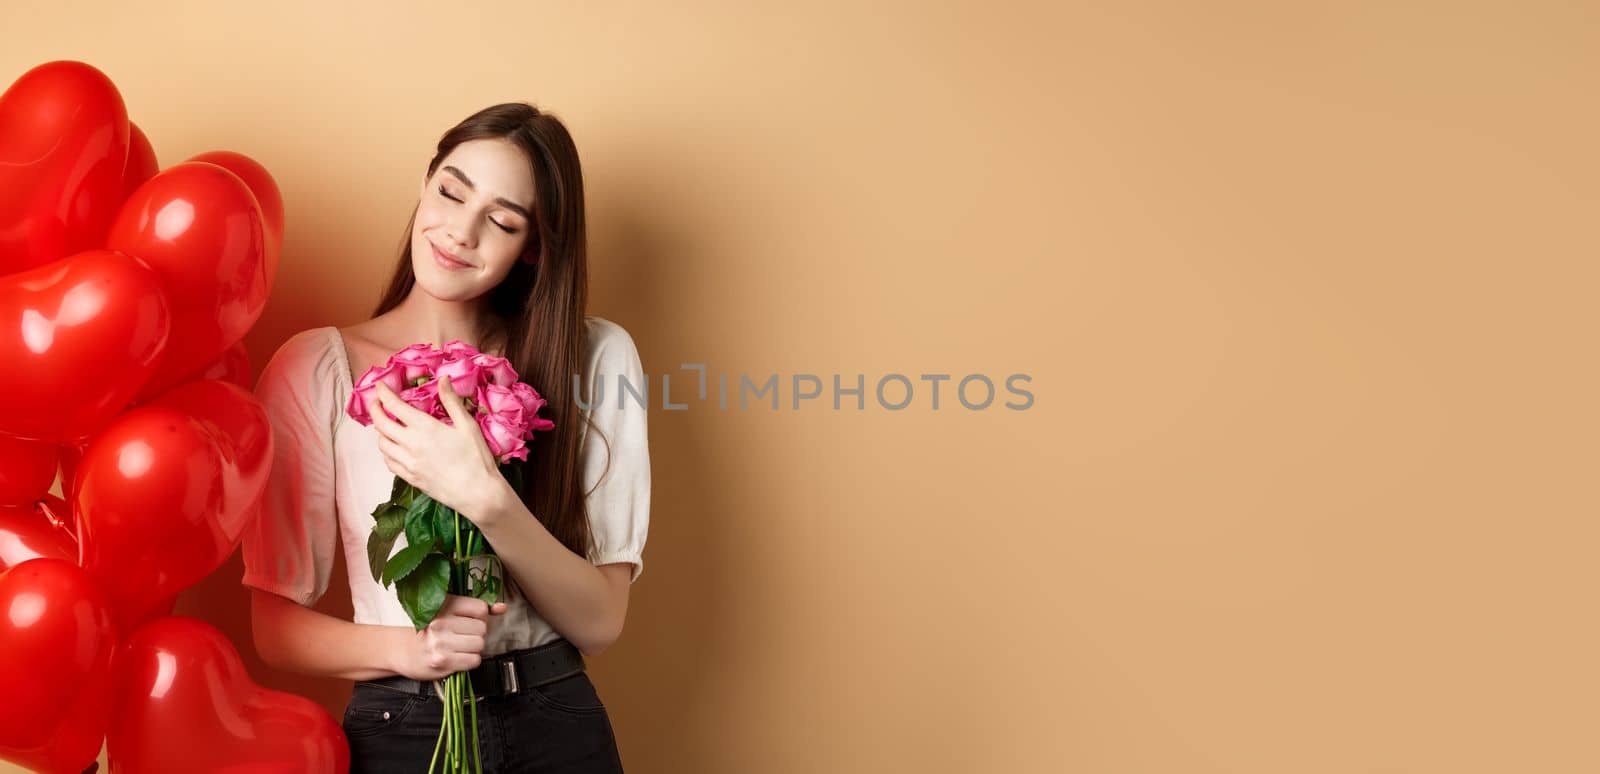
point(451, 463)
point(452, 642)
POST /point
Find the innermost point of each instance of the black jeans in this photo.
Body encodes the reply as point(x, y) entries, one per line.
point(560, 727)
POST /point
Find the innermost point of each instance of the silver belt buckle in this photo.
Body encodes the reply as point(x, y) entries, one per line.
point(508, 676)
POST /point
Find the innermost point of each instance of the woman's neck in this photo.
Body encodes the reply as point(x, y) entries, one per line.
point(422, 318)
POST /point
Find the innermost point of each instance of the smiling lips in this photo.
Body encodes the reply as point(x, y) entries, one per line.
point(447, 260)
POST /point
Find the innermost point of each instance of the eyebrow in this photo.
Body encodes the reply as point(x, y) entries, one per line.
point(500, 200)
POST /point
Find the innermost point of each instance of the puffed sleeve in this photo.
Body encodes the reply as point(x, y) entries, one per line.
point(618, 497)
point(289, 548)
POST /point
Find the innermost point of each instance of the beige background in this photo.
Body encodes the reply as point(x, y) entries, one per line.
point(1305, 293)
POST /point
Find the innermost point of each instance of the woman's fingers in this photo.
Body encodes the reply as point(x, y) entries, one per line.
point(452, 404)
point(403, 411)
point(461, 624)
point(472, 607)
point(386, 427)
point(458, 634)
point(393, 451)
point(457, 642)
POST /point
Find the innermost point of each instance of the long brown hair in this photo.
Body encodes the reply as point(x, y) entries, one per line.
point(537, 311)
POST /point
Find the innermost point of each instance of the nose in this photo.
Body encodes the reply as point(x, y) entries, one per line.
point(458, 233)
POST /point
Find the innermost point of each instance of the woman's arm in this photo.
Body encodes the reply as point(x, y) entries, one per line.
point(294, 638)
point(585, 603)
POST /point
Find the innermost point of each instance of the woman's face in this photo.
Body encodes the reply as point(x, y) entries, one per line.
point(477, 207)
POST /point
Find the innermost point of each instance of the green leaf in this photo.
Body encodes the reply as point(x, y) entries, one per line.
point(399, 489)
point(422, 592)
point(419, 519)
point(437, 574)
point(406, 561)
point(391, 521)
point(378, 548)
point(444, 527)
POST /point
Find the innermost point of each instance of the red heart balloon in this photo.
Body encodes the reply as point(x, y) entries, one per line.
point(185, 703)
point(27, 469)
point(199, 226)
point(63, 146)
point(267, 195)
point(57, 641)
point(27, 533)
point(141, 164)
point(82, 335)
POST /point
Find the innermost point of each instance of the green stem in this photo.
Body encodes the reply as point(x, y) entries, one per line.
point(477, 761)
point(455, 725)
point(462, 680)
point(443, 726)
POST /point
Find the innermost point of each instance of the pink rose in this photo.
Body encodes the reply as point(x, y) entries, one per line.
point(531, 403)
point(463, 374)
point(455, 348)
point(363, 395)
point(494, 399)
point(505, 441)
point(497, 370)
point(419, 360)
point(425, 398)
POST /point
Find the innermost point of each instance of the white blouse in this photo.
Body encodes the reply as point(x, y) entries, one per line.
point(328, 475)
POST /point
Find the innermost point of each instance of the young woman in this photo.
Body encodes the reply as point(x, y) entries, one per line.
point(495, 256)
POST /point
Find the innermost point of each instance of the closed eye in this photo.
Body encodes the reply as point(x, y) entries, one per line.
point(502, 226)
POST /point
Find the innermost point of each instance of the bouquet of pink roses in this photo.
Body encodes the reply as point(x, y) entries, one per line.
point(507, 410)
point(441, 546)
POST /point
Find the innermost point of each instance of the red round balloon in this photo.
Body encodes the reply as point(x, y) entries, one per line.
point(63, 146)
point(199, 226)
point(185, 703)
point(82, 335)
point(238, 424)
point(59, 640)
point(27, 469)
point(163, 493)
point(149, 489)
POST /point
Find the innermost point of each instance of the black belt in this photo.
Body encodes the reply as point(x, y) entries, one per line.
point(506, 674)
